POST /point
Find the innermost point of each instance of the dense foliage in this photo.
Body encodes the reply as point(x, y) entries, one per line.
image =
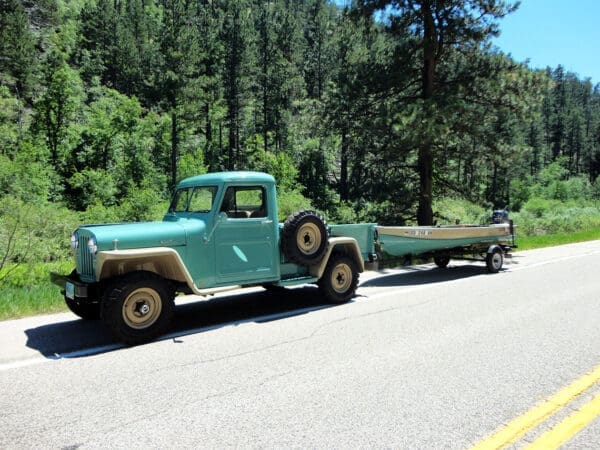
point(389, 111)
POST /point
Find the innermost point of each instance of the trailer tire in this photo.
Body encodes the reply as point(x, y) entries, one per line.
point(138, 307)
point(494, 259)
point(304, 237)
point(441, 261)
point(340, 279)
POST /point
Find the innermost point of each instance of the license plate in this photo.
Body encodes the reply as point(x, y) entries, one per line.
point(70, 290)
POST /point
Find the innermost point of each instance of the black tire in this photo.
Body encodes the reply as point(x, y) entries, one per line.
point(304, 237)
point(273, 288)
point(138, 307)
point(441, 261)
point(340, 279)
point(494, 260)
point(85, 310)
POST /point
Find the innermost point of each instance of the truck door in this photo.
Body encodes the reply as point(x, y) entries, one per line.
point(246, 241)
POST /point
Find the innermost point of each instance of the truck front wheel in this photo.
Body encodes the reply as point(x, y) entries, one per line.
point(340, 280)
point(85, 310)
point(138, 307)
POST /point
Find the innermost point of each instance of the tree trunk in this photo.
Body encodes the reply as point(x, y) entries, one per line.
point(174, 145)
point(344, 168)
point(425, 167)
point(425, 156)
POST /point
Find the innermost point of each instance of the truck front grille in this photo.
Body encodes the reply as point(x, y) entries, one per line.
point(85, 260)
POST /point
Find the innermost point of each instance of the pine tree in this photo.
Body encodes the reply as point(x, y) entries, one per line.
point(18, 56)
point(437, 27)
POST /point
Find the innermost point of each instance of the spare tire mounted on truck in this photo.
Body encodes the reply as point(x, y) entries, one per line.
point(304, 237)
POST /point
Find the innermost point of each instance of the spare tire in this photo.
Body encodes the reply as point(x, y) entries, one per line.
point(304, 237)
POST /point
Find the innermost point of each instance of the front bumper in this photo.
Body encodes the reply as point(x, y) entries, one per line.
point(72, 287)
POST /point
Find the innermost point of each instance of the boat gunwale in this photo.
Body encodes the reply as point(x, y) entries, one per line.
point(445, 232)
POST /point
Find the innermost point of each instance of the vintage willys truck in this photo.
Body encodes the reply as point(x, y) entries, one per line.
point(221, 232)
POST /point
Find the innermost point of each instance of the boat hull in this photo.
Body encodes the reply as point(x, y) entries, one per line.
point(405, 241)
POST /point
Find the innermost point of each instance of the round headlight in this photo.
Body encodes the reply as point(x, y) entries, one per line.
point(74, 241)
point(92, 245)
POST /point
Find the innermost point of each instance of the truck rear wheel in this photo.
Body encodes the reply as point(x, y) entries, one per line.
point(340, 279)
point(304, 237)
point(138, 307)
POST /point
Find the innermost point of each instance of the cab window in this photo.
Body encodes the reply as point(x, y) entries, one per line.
point(194, 199)
point(244, 202)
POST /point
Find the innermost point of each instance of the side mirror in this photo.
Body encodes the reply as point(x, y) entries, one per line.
point(222, 217)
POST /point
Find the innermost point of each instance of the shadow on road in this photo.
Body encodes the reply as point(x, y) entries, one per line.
point(79, 338)
point(418, 275)
point(71, 339)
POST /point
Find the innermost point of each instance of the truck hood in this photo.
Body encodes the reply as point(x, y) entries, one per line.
point(144, 234)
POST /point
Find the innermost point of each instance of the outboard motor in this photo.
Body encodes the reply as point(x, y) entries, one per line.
point(500, 216)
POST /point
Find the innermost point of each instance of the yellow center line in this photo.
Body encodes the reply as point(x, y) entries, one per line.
point(569, 427)
point(527, 421)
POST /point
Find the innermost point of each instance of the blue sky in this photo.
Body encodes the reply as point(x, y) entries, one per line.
point(552, 32)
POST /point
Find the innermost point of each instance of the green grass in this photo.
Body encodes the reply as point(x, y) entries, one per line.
point(26, 290)
point(551, 240)
point(17, 302)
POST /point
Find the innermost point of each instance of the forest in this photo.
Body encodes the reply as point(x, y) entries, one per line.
point(395, 111)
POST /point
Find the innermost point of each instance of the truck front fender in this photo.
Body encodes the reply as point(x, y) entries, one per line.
point(163, 261)
point(346, 245)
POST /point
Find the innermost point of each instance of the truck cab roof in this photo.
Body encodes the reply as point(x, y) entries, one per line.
point(219, 178)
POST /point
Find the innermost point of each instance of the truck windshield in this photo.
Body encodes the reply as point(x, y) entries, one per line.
point(193, 199)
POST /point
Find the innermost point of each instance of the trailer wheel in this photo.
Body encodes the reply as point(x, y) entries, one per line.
point(441, 261)
point(304, 237)
point(340, 279)
point(138, 307)
point(494, 260)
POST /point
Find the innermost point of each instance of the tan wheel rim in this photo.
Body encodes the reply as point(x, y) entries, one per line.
point(142, 308)
point(308, 238)
point(341, 278)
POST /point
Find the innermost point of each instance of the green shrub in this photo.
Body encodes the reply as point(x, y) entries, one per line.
point(34, 232)
point(143, 205)
point(449, 210)
point(33, 273)
point(548, 216)
point(343, 213)
point(291, 201)
point(540, 206)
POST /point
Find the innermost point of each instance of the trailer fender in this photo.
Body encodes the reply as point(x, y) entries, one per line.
point(346, 245)
point(494, 248)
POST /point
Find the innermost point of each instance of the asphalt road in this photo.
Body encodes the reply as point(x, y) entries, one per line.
point(421, 358)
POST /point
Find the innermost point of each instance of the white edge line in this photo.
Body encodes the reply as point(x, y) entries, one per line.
point(107, 348)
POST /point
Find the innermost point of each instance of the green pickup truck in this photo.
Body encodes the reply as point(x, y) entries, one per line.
point(221, 232)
